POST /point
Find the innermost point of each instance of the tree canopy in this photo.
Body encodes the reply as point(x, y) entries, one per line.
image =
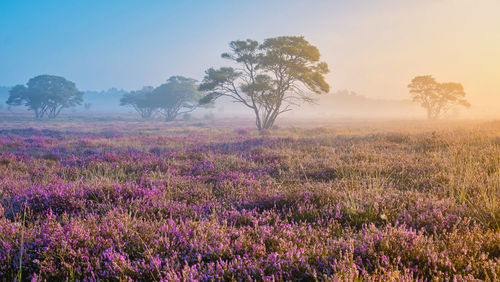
point(269, 78)
point(437, 98)
point(141, 101)
point(46, 95)
point(179, 95)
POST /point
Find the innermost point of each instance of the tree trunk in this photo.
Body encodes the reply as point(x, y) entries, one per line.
point(268, 124)
point(429, 114)
point(170, 117)
point(58, 111)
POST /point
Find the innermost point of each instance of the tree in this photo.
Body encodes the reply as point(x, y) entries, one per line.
point(141, 101)
point(270, 78)
point(87, 106)
point(179, 95)
point(46, 95)
point(437, 98)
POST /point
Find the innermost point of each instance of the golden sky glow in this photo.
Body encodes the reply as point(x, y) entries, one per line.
point(389, 43)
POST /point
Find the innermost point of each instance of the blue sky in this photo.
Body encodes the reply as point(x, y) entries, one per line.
point(372, 47)
point(126, 44)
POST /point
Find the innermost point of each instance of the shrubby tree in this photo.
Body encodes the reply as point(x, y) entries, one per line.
point(437, 98)
point(46, 95)
point(142, 101)
point(179, 95)
point(209, 116)
point(270, 77)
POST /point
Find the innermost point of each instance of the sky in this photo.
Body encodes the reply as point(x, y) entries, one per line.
point(373, 47)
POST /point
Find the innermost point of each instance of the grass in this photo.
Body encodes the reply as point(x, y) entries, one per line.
point(153, 201)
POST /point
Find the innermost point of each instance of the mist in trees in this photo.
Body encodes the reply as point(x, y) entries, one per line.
point(437, 98)
point(270, 78)
point(141, 101)
point(46, 95)
point(87, 106)
point(178, 96)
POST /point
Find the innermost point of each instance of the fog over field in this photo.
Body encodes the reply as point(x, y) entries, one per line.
point(340, 104)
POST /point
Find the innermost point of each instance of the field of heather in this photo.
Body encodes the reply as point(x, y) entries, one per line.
point(160, 201)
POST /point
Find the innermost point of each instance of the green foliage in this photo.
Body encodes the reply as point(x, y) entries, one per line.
point(46, 95)
point(141, 101)
point(437, 98)
point(179, 95)
point(271, 77)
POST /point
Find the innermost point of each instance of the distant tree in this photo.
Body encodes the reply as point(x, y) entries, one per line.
point(437, 98)
point(46, 95)
point(142, 101)
point(209, 116)
point(87, 106)
point(179, 95)
point(270, 78)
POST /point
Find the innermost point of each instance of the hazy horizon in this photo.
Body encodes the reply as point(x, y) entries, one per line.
point(374, 49)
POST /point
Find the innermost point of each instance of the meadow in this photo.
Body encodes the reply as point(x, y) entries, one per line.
point(190, 201)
